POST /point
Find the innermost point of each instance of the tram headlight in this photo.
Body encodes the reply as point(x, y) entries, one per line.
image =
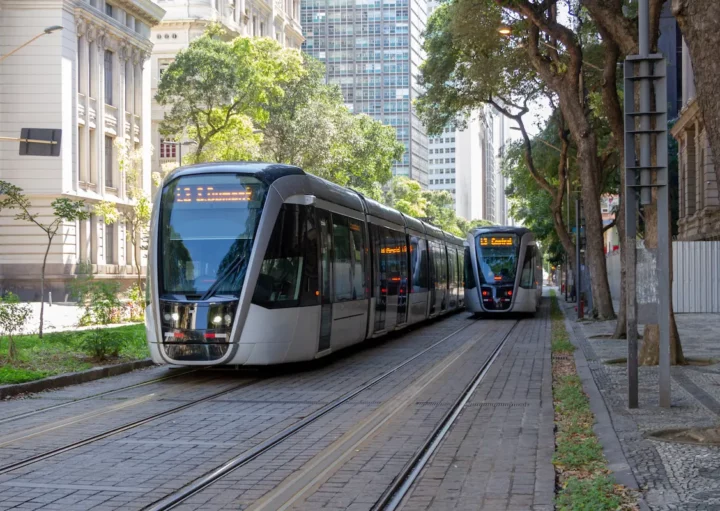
point(175, 316)
point(228, 319)
point(167, 316)
point(217, 320)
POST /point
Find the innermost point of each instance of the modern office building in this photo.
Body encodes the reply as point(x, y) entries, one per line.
point(372, 49)
point(90, 79)
point(186, 20)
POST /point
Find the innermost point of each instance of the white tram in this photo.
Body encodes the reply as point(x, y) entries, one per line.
point(256, 264)
point(503, 270)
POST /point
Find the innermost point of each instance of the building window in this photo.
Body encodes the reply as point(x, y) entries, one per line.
point(168, 149)
point(262, 29)
point(108, 9)
point(109, 244)
point(108, 77)
point(108, 161)
point(91, 67)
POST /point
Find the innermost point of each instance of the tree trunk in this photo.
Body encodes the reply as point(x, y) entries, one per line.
point(699, 22)
point(594, 249)
point(137, 261)
point(650, 350)
point(614, 113)
point(12, 349)
point(42, 287)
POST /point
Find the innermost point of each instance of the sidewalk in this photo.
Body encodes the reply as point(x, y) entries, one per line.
point(672, 476)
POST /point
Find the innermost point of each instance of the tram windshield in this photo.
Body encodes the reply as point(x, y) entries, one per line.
point(497, 257)
point(207, 229)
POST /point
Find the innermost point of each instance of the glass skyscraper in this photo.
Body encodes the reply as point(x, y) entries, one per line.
point(372, 49)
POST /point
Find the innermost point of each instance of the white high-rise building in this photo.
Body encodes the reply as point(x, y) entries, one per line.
point(90, 79)
point(186, 20)
point(464, 163)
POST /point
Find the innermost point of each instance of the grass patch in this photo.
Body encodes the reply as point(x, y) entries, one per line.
point(559, 338)
point(62, 352)
point(581, 468)
point(589, 495)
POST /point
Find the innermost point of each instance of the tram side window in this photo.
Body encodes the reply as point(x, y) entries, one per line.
point(377, 243)
point(452, 267)
point(401, 243)
point(419, 264)
point(343, 259)
point(289, 272)
point(358, 256)
point(468, 270)
point(527, 279)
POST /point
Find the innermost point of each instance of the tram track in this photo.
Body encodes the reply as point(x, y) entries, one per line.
point(31, 413)
point(402, 485)
point(114, 431)
point(365, 429)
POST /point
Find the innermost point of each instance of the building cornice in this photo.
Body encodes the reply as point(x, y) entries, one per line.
point(688, 115)
point(129, 45)
point(145, 10)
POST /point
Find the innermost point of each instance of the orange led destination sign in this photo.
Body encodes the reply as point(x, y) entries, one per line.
point(497, 241)
point(210, 194)
point(393, 250)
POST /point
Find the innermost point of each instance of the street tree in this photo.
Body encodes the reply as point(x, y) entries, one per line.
point(468, 65)
point(64, 211)
point(213, 82)
point(406, 195)
point(309, 126)
point(13, 317)
point(699, 22)
point(618, 25)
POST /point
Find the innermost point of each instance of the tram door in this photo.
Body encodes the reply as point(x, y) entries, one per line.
point(325, 223)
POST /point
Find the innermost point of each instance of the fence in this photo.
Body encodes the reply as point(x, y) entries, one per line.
point(696, 276)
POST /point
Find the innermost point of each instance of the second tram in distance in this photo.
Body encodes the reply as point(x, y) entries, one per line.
point(503, 271)
point(258, 264)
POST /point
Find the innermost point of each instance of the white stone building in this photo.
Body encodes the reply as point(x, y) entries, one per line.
point(187, 19)
point(90, 79)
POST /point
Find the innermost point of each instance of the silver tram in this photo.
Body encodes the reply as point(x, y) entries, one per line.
point(257, 264)
point(503, 270)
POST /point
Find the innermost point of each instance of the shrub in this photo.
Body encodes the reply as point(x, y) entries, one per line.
point(101, 343)
point(13, 316)
point(99, 299)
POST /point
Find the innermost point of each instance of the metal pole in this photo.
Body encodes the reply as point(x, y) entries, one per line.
point(663, 248)
point(567, 259)
point(578, 277)
point(645, 173)
point(179, 153)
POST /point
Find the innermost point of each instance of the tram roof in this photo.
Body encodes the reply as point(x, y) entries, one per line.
point(501, 228)
point(267, 172)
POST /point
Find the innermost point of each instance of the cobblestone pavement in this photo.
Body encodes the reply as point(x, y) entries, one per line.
point(672, 476)
point(134, 468)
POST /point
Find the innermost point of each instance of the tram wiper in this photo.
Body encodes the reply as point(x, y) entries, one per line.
point(239, 260)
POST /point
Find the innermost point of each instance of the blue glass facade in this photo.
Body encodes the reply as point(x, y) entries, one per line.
point(372, 50)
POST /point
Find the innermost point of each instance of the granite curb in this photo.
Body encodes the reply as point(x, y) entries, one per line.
point(64, 380)
point(603, 427)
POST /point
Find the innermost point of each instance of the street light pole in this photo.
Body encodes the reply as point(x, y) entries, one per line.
point(48, 30)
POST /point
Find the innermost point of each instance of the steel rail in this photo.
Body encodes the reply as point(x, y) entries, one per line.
point(94, 396)
point(179, 496)
point(402, 484)
point(54, 452)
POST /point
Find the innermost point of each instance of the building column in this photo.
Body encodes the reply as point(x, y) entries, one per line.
point(689, 177)
point(699, 181)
